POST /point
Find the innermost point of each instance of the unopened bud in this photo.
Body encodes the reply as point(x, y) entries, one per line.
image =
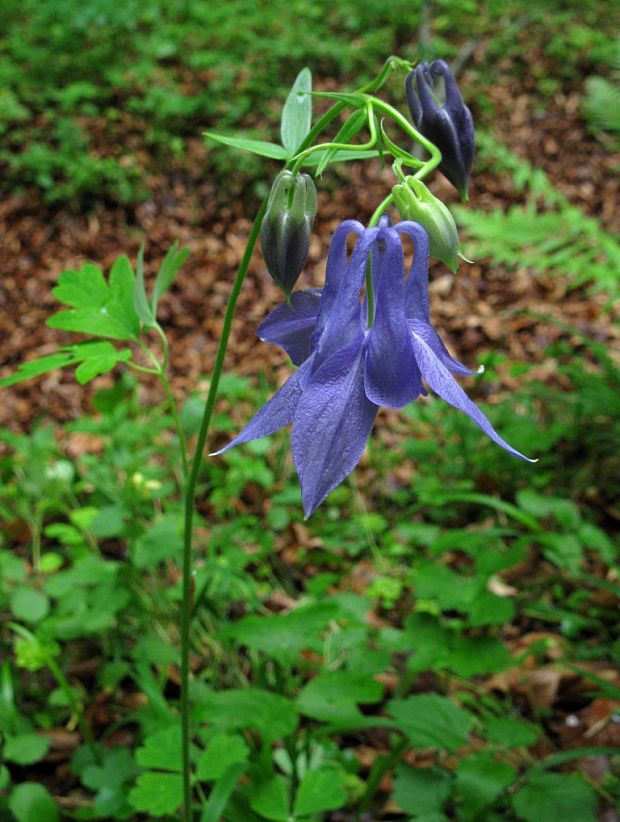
point(415, 202)
point(285, 232)
point(445, 122)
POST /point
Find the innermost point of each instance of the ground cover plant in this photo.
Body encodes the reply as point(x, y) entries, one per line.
point(438, 640)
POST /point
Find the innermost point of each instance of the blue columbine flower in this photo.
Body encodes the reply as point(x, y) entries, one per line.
point(347, 370)
point(449, 124)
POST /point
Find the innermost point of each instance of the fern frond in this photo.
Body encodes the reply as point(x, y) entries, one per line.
point(602, 104)
point(547, 234)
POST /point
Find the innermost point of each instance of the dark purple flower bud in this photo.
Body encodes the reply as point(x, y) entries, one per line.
point(446, 122)
point(286, 228)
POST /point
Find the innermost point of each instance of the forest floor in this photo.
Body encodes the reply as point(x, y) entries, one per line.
point(479, 308)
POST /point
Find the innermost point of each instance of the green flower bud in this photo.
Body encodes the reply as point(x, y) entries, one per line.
point(416, 203)
point(286, 228)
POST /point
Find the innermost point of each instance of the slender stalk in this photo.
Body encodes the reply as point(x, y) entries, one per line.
point(177, 421)
point(142, 368)
point(380, 209)
point(159, 370)
point(36, 528)
point(163, 376)
point(63, 684)
point(390, 64)
point(301, 156)
point(62, 681)
point(190, 493)
point(381, 766)
point(412, 132)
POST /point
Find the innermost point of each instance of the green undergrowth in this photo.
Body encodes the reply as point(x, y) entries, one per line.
point(96, 95)
point(546, 234)
point(299, 668)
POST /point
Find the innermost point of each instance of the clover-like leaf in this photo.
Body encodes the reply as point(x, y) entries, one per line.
point(162, 749)
point(92, 358)
point(157, 794)
point(98, 308)
point(222, 751)
point(272, 715)
point(421, 791)
point(31, 802)
point(334, 695)
point(320, 790)
point(555, 797)
point(431, 721)
point(25, 749)
point(480, 779)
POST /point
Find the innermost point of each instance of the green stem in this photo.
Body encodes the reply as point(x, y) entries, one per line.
point(177, 421)
point(412, 132)
point(63, 683)
point(374, 85)
point(391, 64)
point(163, 376)
point(379, 210)
point(379, 769)
point(142, 368)
point(299, 160)
point(159, 370)
point(190, 493)
point(37, 527)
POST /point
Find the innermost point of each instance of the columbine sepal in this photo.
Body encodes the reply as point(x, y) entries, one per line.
point(416, 203)
point(287, 225)
point(449, 125)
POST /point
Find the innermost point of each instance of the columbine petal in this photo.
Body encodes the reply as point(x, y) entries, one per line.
point(335, 271)
point(332, 423)
point(391, 376)
point(277, 413)
point(291, 326)
point(434, 342)
point(443, 383)
point(417, 298)
point(343, 325)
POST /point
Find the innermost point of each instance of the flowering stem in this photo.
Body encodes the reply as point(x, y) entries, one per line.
point(341, 146)
point(390, 64)
point(393, 62)
point(406, 126)
point(190, 493)
point(380, 209)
